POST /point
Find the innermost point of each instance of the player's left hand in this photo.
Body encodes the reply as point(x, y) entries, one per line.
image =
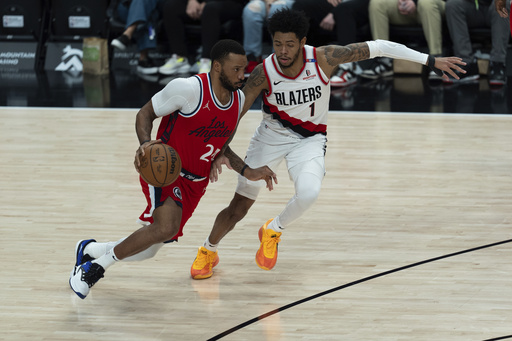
point(261, 173)
point(217, 167)
point(449, 65)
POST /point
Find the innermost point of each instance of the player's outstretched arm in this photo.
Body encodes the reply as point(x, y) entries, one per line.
point(332, 55)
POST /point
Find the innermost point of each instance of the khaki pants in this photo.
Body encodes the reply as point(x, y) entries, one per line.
point(429, 13)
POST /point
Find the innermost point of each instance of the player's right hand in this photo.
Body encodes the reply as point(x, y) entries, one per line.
point(262, 173)
point(140, 152)
point(217, 167)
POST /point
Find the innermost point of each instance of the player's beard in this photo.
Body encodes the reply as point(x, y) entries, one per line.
point(295, 58)
point(226, 83)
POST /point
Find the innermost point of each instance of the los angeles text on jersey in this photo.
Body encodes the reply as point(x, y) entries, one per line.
point(215, 129)
point(300, 96)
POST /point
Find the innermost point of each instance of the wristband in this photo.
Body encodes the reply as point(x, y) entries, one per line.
point(431, 62)
point(144, 142)
point(243, 169)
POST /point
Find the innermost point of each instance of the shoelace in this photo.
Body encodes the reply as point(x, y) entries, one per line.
point(206, 258)
point(92, 273)
point(270, 243)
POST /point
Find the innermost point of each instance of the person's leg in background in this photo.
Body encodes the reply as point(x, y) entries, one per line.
point(500, 35)
point(253, 19)
point(350, 17)
point(138, 18)
point(215, 14)
point(381, 13)
point(175, 17)
point(460, 15)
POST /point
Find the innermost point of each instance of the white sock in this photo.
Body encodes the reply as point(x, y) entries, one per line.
point(107, 259)
point(209, 246)
point(275, 225)
point(96, 250)
point(146, 254)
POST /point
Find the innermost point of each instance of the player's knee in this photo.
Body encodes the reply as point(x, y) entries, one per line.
point(164, 232)
point(306, 199)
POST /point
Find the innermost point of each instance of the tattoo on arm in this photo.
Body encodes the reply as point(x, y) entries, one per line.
point(256, 78)
point(336, 55)
point(255, 84)
point(236, 162)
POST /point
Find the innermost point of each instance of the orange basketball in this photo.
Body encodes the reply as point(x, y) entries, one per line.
point(161, 165)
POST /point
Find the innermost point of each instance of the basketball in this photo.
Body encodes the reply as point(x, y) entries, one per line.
point(161, 165)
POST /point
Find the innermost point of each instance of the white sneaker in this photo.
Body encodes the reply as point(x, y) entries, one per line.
point(345, 75)
point(205, 65)
point(175, 65)
point(83, 277)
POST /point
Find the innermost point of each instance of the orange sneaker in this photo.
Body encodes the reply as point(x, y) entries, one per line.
point(204, 263)
point(266, 257)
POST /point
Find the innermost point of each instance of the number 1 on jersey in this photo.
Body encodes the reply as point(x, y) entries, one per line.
point(312, 106)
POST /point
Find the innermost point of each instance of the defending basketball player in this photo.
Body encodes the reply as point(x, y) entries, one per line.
point(199, 114)
point(295, 85)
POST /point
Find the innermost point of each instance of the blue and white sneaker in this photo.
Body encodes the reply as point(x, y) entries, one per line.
point(82, 257)
point(86, 275)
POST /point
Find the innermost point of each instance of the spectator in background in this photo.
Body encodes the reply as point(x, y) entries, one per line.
point(350, 16)
point(139, 16)
point(339, 21)
point(211, 15)
point(321, 19)
point(428, 13)
point(254, 16)
point(463, 14)
point(502, 10)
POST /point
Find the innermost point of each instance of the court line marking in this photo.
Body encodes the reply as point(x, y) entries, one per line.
point(323, 293)
point(258, 111)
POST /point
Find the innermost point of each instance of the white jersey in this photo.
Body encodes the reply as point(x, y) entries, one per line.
point(298, 105)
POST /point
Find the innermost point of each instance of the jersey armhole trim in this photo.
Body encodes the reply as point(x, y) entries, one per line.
point(318, 68)
point(200, 99)
point(267, 93)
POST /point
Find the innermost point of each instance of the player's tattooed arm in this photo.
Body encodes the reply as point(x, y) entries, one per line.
point(336, 55)
point(254, 174)
point(331, 56)
point(256, 83)
point(235, 161)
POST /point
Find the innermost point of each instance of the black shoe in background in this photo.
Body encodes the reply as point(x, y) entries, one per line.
point(147, 67)
point(497, 75)
point(121, 42)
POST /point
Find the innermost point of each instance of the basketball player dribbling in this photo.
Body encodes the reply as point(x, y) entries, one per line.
point(295, 85)
point(199, 115)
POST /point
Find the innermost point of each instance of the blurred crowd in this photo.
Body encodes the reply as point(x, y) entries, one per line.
point(188, 29)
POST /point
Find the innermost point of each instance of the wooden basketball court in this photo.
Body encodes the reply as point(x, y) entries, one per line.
point(411, 238)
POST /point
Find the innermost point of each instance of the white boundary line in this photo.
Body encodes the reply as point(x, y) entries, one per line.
point(331, 112)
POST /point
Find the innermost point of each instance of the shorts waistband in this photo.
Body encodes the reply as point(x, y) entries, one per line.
point(191, 176)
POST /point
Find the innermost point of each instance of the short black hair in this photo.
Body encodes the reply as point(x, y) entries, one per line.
point(224, 47)
point(288, 20)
